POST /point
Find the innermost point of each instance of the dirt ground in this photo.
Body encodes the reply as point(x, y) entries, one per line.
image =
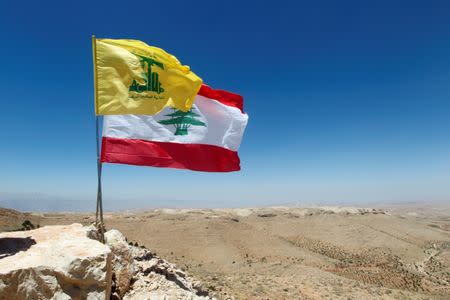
point(292, 253)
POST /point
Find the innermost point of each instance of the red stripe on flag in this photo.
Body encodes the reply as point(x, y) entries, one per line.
point(197, 157)
point(222, 96)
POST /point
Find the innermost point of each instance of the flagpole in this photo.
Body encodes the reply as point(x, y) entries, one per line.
point(99, 209)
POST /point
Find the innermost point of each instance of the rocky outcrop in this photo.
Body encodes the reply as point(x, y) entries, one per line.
point(67, 262)
point(122, 262)
point(54, 262)
point(139, 274)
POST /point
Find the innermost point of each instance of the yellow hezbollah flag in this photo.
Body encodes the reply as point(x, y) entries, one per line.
point(131, 77)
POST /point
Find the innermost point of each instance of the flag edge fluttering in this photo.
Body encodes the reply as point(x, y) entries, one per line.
point(182, 103)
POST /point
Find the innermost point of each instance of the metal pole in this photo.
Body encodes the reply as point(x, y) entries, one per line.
point(99, 210)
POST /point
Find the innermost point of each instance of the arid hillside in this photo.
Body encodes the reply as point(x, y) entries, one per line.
point(292, 253)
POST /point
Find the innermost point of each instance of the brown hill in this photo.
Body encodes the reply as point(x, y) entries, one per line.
point(12, 220)
point(297, 253)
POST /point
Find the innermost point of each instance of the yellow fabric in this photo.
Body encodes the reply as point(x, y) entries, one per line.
point(132, 77)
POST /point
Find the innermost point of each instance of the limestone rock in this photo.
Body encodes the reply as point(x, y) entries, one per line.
point(138, 274)
point(67, 262)
point(122, 261)
point(156, 278)
point(54, 262)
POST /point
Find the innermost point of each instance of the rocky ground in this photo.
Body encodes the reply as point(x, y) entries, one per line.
point(294, 253)
point(139, 274)
point(69, 262)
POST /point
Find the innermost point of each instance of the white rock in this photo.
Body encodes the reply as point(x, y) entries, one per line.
point(157, 279)
point(54, 262)
point(122, 262)
point(67, 262)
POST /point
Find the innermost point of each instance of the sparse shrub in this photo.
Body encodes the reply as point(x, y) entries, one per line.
point(27, 225)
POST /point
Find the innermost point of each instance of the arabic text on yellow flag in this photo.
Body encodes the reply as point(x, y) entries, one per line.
point(132, 77)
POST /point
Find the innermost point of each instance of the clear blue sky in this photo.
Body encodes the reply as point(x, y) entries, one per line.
point(348, 101)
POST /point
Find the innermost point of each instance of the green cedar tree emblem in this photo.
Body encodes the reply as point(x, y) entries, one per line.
point(182, 121)
point(151, 79)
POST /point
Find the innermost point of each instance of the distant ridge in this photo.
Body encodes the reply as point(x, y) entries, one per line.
point(11, 219)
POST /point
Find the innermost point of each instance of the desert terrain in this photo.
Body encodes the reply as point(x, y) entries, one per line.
point(400, 252)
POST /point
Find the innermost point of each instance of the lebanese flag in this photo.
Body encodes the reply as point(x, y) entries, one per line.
point(206, 138)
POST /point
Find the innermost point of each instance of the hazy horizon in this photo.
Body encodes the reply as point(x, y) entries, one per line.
point(39, 203)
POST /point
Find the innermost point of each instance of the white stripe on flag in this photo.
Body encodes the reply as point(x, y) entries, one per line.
point(225, 126)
